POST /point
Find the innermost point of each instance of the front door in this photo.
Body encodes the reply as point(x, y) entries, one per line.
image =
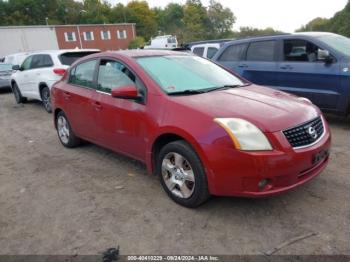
point(303, 74)
point(120, 122)
point(22, 77)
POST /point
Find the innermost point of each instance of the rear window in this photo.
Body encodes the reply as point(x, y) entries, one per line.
point(261, 51)
point(211, 52)
point(198, 51)
point(69, 58)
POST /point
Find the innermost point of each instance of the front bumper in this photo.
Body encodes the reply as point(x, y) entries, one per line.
point(236, 173)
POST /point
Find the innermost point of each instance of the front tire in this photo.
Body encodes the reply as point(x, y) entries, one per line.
point(65, 132)
point(17, 93)
point(46, 99)
point(182, 174)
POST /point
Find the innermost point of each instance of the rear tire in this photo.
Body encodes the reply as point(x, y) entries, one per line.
point(182, 174)
point(65, 132)
point(46, 99)
point(17, 93)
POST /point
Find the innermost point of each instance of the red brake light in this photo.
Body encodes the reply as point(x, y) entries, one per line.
point(59, 71)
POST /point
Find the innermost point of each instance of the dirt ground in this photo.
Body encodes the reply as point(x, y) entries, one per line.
point(82, 201)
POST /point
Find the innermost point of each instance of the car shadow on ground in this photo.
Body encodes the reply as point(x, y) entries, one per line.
point(339, 121)
point(5, 91)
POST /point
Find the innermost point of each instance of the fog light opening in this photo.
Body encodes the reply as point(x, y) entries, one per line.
point(265, 184)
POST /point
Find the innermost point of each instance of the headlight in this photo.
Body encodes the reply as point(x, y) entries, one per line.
point(245, 135)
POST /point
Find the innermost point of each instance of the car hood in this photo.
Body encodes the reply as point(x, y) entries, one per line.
point(268, 109)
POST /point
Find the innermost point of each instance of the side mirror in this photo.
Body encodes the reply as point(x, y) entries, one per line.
point(126, 92)
point(324, 55)
point(16, 67)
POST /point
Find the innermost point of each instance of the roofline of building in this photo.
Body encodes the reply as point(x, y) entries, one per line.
point(54, 26)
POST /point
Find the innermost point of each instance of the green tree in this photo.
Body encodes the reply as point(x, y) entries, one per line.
point(317, 24)
point(139, 12)
point(96, 12)
point(221, 20)
point(118, 14)
point(138, 42)
point(250, 31)
point(196, 21)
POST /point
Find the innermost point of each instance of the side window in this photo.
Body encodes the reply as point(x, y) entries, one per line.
point(233, 53)
point(300, 50)
point(83, 74)
point(261, 51)
point(211, 52)
point(112, 74)
point(198, 51)
point(41, 61)
point(27, 62)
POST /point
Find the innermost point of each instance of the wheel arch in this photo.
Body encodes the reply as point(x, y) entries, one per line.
point(57, 110)
point(41, 86)
point(167, 137)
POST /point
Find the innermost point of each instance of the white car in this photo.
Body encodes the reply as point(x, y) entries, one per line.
point(207, 50)
point(40, 70)
point(15, 59)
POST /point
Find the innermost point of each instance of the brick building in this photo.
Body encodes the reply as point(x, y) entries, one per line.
point(15, 39)
point(104, 37)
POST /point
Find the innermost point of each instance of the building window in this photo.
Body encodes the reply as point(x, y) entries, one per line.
point(89, 36)
point(69, 36)
point(121, 34)
point(105, 35)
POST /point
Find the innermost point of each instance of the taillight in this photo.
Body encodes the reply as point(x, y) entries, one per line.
point(59, 71)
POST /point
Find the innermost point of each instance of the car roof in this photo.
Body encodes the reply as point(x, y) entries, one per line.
point(142, 53)
point(62, 51)
point(278, 36)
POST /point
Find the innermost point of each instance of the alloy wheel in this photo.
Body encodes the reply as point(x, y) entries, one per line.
point(178, 175)
point(63, 129)
point(46, 99)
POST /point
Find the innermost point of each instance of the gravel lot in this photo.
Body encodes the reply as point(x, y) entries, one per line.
point(83, 201)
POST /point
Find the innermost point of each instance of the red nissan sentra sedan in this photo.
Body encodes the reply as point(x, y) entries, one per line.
point(203, 130)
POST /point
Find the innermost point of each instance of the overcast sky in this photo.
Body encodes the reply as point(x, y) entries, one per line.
point(285, 15)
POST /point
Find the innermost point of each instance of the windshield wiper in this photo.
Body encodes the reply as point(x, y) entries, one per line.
point(187, 92)
point(224, 87)
point(206, 90)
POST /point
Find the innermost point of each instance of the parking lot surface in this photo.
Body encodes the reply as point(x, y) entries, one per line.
point(55, 200)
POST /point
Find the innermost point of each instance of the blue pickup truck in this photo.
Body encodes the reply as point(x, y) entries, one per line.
point(312, 65)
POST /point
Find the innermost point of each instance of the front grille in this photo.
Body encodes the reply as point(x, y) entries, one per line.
point(305, 134)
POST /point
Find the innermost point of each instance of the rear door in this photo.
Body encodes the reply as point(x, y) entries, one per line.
point(303, 74)
point(232, 57)
point(79, 96)
point(120, 122)
point(40, 71)
point(260, 65)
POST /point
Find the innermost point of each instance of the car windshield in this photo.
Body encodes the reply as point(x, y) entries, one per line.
point(179, 73)
point(5, 67)
point(337, 42)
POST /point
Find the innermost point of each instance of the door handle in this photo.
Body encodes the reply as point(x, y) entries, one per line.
point(286, 67)
point(97, 105)
point(243, 65)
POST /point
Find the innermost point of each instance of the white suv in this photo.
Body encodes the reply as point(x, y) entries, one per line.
point(40, 70)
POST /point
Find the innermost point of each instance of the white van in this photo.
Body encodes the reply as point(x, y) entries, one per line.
point(162, 42)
